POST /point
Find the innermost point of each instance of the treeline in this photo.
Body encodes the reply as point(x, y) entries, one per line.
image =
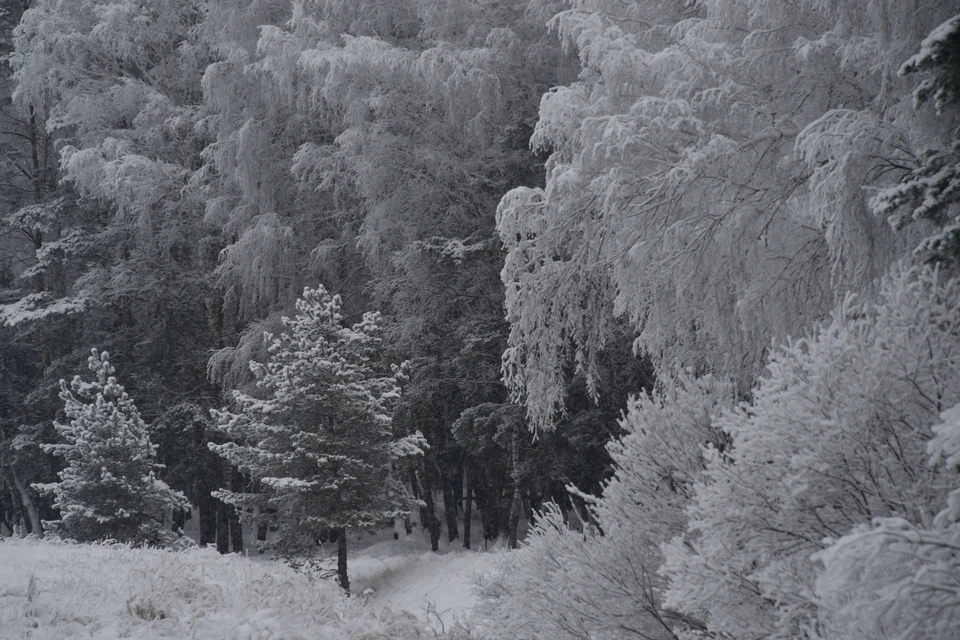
point(175, 174)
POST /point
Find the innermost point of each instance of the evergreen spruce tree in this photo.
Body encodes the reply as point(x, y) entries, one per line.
point(109, 488)
point(320, 440)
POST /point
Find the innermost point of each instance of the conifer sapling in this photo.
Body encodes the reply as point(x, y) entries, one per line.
point(319, 439)
point(109, 488)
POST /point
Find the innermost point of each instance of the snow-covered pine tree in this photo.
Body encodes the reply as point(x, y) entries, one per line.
point(930, 187)
point(109, 488)
point(320, 441)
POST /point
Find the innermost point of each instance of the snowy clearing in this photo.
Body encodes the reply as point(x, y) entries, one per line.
point(54, 590)
point(406, 576)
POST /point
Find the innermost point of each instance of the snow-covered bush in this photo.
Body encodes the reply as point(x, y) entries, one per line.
point(835, 436)
point(603, 582)
point(109, 488)
point(895, 579)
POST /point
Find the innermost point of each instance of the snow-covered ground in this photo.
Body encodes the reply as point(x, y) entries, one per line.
point(405, 575)
point(51, 591)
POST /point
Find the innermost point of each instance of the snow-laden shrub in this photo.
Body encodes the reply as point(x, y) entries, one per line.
point(835, 436)
point(895, 579)
point(603, 583)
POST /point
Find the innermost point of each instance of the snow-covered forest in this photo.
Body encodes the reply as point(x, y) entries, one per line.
point(659, 300)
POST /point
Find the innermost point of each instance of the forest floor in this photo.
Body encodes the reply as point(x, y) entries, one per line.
point(53, 591)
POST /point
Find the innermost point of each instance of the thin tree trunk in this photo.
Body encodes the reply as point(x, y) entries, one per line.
point(236, 527)
point(467, 506)
point(417, 493)
point(126, 314)
point(206, 484)
point(262, 526)
point(342, 560)
point(487, 495)
point(515, 503)
point(216, 318)
point(223, 528)
point(514, 521)
point(236, 530)
point(433, 522)
point(37, 178)
point(208, 519)
point(39, 282)
point(450, 509)
point(505, 503)
point(10, 519)
point(36, 527)
point(223, 510)
point(179, 520)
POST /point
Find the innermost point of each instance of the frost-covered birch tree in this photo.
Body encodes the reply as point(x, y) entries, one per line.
point(709, 180)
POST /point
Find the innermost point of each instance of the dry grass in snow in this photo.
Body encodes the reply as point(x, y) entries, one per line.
point(55, 590)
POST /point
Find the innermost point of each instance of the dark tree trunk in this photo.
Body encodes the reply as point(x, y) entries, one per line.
point(36, 527)
point(236, 527)
point(236, 530)
point(126, 315)
point(450, 510)
point(342, 560)
point(514, 521)
point(488, 500)
point(36, 178)
point(516, 502)
point(223, 513)
point(206, 484)
point(223, 528)
point(179, 519)
point(433, 522)
point(216, 318)
point(467, 506)
point(416, 493)
point(13, 517)
point(208, 516)
point(500, 508)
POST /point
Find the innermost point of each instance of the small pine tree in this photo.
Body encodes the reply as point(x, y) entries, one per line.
point(320, 442)
point(109, 488)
